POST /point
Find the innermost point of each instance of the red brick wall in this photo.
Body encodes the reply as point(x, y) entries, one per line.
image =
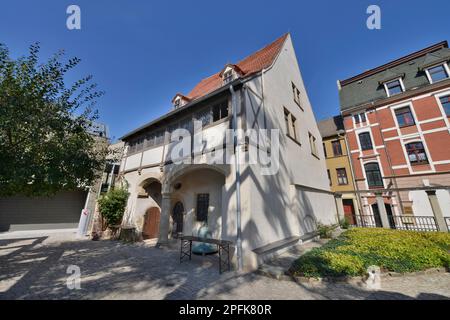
point(437, 143)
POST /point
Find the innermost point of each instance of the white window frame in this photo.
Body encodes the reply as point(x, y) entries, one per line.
point(393, 80)
point(358, 115)
point(400, 106)
point(230, 78)
point(441, 107)
point(377, 161)
point(425, 148)
point(313, 145)
point(368, 130)
point(446, 68)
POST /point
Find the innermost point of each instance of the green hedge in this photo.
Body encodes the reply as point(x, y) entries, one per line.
point(392, 250)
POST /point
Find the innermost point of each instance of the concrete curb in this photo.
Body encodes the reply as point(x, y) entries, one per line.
point(277, 274)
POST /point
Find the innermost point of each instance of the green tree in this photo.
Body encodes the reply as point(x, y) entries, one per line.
point(112, 205)
point(45, 145)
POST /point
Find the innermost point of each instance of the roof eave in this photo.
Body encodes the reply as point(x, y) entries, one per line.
point(393, 63)
point(186, 106)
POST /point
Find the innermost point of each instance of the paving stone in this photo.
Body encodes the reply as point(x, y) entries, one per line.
point(35, 267)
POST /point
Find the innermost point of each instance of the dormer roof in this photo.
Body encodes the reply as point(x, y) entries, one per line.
point(254, 63)
point(183, 97)
point(232, 66)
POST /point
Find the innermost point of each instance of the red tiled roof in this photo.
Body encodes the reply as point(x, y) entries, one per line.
point(251, 64)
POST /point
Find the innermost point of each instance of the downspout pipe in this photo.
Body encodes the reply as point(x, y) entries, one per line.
point(236, 148)
point(355, 184)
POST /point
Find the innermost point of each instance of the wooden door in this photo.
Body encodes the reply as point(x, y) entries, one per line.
point(349, 211)
point(151, 223)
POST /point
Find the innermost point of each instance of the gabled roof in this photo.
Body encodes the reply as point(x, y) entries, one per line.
point(389, 75)
point(390, 65)
point(367, 88)
point(232, 66)
point(252, 64)
point(435, 58)
point(331, 127)
point(181, 96)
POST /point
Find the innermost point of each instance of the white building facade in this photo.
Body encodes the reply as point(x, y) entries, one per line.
point(281, 200)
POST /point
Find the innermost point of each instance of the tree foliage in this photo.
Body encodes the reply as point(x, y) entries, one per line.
point(45, 144)
point(112, 205)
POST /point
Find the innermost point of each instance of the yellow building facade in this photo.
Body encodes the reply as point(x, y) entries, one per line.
point(339, 169)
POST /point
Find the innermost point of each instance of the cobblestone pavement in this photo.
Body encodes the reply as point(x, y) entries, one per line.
point(35, 267)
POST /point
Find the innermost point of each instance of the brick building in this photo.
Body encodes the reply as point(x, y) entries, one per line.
point(396, 118)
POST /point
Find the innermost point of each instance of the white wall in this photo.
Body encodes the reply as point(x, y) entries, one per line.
point(277, 210)
point(193, 183)
point(421, 204)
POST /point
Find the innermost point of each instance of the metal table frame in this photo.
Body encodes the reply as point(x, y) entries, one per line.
point(223, 247)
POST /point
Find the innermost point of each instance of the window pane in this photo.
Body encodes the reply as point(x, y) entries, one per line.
point(159, 139)
point(356, 117)
point(294, 132)
point(140, 144)
point(224, 110)
point(186, 124)
point(204, 116)
point(216, 113)
point(445, 101)
point(404, 117)
point(394, 87)
point(149, 140)
point(312, 142)
point(202, 206)
point(363, 117)
point(286, 121)
point(438, 73)
point(416, 153)
point(365, 141)
point(220, 111)
point(342, 176)
point(337, 149)
point(373, 175)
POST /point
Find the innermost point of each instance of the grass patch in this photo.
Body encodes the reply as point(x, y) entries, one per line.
point(392, 250)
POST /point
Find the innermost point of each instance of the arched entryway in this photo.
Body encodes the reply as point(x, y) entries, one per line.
point(377, 217)
point(177, 219)
point(152, 189)
point(151, 223)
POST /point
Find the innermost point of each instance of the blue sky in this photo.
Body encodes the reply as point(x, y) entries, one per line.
point(142, 52)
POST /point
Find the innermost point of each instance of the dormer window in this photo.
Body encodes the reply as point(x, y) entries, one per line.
point(179, 101)
point(394, 87)
point(437, 73)
point(228, 76)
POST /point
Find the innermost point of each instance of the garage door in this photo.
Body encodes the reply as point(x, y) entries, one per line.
point(57, 212)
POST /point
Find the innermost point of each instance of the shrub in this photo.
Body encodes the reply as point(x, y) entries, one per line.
point(345, 224)
point(392, 250)
point(112, 205)
point(325, 231)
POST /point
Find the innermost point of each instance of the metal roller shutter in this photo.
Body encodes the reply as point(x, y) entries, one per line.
point(58, 212)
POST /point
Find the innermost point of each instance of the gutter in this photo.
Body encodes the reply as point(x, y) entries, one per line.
point(397, 98)
point(185, 107)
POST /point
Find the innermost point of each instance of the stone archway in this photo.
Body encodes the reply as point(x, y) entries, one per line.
point(180, 170)
point(148, 206)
